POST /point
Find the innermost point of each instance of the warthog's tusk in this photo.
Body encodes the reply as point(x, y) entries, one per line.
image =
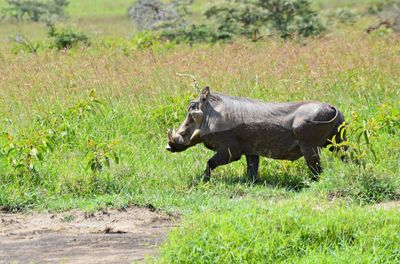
point(195, 134)
point(170, 137)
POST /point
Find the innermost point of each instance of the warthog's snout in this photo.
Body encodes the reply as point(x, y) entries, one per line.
point(168, 147)
point(175, 142)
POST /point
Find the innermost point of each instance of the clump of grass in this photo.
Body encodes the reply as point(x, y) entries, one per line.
point(301, 231)
point(363, 186)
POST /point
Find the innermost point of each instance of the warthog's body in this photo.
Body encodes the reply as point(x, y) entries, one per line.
point(234, 126)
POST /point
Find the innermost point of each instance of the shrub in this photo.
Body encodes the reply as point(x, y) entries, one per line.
point(35, 10)
point(248, 18)
point(241, 19)
point(191, 34)
point(290, 17)
point(144, 40)
point(344, 15)
point(66, 38)
point(60, 39)
point(151, 14)
point(21, 155)
point(378, 7)
point(100, 155)
point(365, 178)
point(389, 16)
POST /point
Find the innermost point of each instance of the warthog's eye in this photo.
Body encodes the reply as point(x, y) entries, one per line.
point(192, 106)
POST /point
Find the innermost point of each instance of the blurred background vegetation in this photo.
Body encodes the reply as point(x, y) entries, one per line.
point(187, 21)
point(89, 88)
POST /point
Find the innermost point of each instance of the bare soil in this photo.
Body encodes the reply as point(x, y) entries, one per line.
point(109, 236)
point(387, 205)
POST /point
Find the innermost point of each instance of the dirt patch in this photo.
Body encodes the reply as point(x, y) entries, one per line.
point(109, 236)
point(387, 205)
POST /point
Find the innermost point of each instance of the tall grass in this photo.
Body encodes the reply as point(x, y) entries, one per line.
point(87, 128)
point(142, 96)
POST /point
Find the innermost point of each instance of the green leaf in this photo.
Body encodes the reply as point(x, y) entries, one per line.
point(366, 137)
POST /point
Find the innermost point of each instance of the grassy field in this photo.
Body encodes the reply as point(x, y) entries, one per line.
point(66, 115)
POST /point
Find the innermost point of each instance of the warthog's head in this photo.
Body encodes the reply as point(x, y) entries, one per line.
point(189, 133)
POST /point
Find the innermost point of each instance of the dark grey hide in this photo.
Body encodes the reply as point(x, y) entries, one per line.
point(234, 126)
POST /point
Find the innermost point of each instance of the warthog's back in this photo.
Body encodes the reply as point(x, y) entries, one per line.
point(268, 129)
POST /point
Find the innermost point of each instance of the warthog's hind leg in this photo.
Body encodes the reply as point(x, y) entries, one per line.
point(311, 155)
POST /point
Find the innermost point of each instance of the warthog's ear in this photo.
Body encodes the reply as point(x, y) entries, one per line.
point(205, 92)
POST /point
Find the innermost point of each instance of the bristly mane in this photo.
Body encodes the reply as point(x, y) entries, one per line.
point(226, 112)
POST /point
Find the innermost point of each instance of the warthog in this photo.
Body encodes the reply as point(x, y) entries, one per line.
point(234, 126)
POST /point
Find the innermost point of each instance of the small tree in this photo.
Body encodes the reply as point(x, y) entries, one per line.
point(35, 10)
point(169, 20)
point(287, 17)
point(237, 19)
point(292, 16)
point(389, 16)
point(66, 38)
point(152, 14)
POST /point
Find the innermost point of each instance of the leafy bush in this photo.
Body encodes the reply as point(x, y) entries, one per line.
point(21, 155)
point(144, 40)
point(389, 16)
point(365, 133)
point(61, 38)
point(248, 18)
point(232, 19)
point(140, 41)
point(191, 34)
point(344, 15)
point(100, 155)
point(24, 154)
point(35, 10)
point(378, 7)
point(151, 14)
point(66, 38)
point(365, 178)
point(228, 19)
point(389, 119)
point(291, 17)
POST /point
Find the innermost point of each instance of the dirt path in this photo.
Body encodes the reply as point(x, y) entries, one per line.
point(110, 236)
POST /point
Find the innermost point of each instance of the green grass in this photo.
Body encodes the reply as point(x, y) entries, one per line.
point(98, 8)
point(301, 231)
point(52, 128)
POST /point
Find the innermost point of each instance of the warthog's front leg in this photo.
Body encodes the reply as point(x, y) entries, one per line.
point(252, 167)
point(222, 157)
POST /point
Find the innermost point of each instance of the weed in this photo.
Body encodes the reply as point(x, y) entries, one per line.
point(68, 218)
point(100, 155)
